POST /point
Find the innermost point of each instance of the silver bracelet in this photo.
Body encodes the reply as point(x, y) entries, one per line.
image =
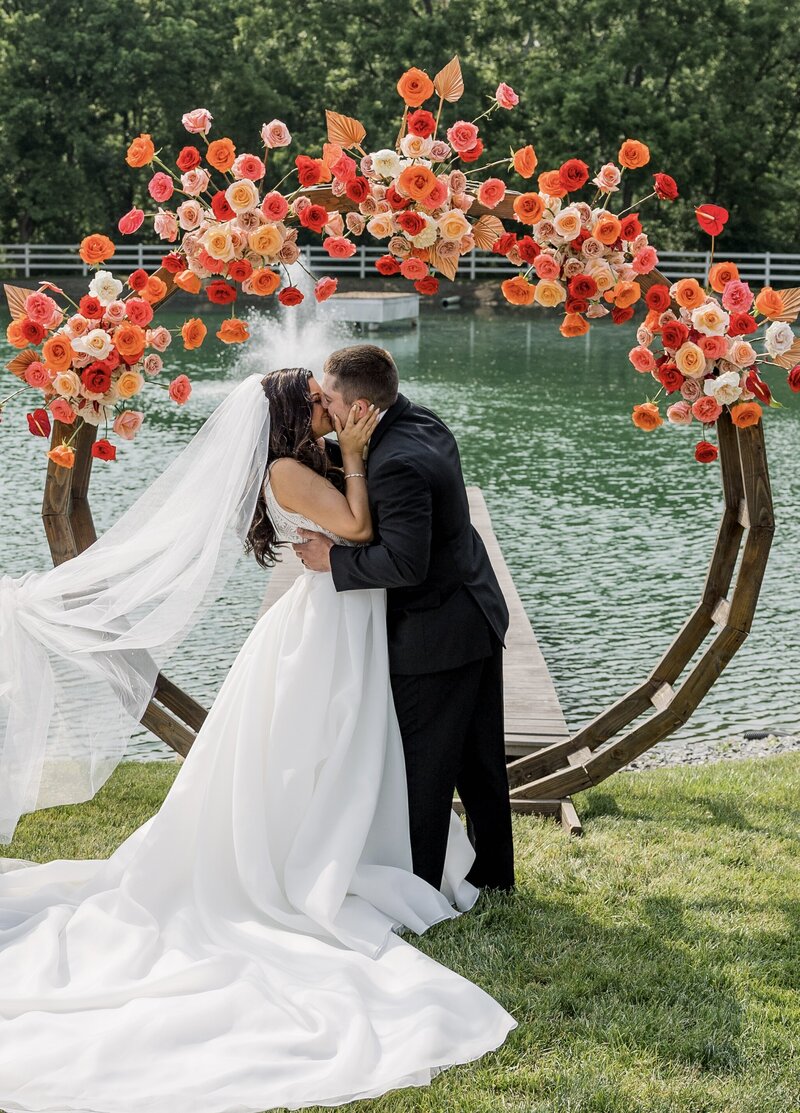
point(355, 475)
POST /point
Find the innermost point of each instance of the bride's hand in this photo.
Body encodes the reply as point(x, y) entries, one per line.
point(355, 435)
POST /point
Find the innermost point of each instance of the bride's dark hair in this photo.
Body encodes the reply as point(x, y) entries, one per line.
point(290, 434)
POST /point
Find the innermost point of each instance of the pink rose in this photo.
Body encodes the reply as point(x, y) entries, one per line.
point(462, 136)
point(195, 182)
point(706, 409)
point(339, 247)
point(742, 353)
point(505, 96)
point(37, 375)
point(275, 206)
point(335, 226)
point(457, 181)
point(166, 226)
point(491, 192)
point(301, 204)
point(114, 313)
point(76, 326)
point(189, 214)
point(152, 363)
point(680, 413)
point(289, 253)
point(737, 297)
point(440, 151)
point(197, 121)
point(436, 197)
point(355, 223)
point(714, 347)
point(367, 165)
point(645, 260)
point(41, 308)
point(691, 389)
point(546, 266)
point(131, 222)
point(608, 178)
point(62, 411)
point(180, 389)
point(250, 167)
point(344, 169)
point(641, 358)
point(128, 424)
point(159, 338)
point(160, 187)
point(275, 134)
point(325, 287)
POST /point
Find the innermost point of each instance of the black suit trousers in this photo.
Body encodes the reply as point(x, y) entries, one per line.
point(453, 737)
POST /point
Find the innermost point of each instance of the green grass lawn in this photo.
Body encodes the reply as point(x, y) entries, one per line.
point(653, 965)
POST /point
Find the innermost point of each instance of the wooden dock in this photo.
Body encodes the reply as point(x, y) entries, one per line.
point(532, 712)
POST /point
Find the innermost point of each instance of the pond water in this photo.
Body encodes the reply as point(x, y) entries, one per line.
point(607, 530)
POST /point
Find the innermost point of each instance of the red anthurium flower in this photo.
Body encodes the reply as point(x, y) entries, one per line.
point(712, 218)
point(39, 423)
point(757, 386)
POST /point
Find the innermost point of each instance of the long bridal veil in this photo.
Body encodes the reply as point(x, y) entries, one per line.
point(81, 644)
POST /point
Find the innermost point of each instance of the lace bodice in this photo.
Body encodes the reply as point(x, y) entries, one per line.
point(287, 522)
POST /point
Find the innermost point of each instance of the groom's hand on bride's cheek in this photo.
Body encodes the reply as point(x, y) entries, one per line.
point(315, 552)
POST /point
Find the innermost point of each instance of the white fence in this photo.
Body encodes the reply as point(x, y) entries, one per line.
point(27, 259)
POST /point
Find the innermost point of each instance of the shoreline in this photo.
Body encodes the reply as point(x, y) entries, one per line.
point(734, 747)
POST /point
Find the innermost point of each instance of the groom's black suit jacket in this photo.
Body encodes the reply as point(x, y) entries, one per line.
point(443, 598)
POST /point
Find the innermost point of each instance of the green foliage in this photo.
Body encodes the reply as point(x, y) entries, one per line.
point(653, 965)
point(713, 90)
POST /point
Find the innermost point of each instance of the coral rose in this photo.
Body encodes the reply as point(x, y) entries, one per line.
point(62, 455)
point(131, 222)
point(646, 416)
point(264, 282)
point(462, 136)
point(745, 414)
point(274, 206)
point(140, 152)
point(415, 87)
point(233, 331)
point(714, 347)
point(387, 265)
point(633, 154)
point(691, 360)
point(194, 333)
point(491, 192)
point(180, 390)
point(770, 303)
point(62, 411)
point(139, 311)
point(160, 187)
point(525, 161)
point(413, 269)
point(529, 208)
point(339, 247)
point(57, 352)
point(505, 96)
point(721, 274)
point(221, 154)
point(689, 293)
point(250, 167)
point(574, 325)
point(706, 409)
point(95, 249)
point(518, 290)
point(642, 359)
point(325, 287)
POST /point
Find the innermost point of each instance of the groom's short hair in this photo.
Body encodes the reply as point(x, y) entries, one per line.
point(364, 371)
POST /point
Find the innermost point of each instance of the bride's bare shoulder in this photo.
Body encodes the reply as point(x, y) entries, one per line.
point(292, 482)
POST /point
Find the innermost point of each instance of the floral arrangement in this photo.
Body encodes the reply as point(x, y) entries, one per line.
point(89, 362)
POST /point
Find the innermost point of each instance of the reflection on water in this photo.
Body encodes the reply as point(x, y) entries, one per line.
point(607, 530)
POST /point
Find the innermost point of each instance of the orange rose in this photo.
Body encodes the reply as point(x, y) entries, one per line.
point(95, 249)
point(417, 182)
point(15, 335)
point(607, 229)
point(646, 416)
point(633, 154)
point(574, 325)
point(744, 414)
point(140, 152)
point(415, 87)
point(689, 293)
point(188, 281)
point(154, 290)
point(62, 455)
point(528, 208)
point(652, 320)
point(221, 154)
point(550, 183)
point(624, 294)
point(57, 352)
point(264, 282)
point(721, 274)
point(518, 290)
point(233, 331)
point(193, 332)
point(129, 339)
point(525, 161)
point(770, 303)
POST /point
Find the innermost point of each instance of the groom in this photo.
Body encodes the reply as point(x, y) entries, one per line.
point(446, 616)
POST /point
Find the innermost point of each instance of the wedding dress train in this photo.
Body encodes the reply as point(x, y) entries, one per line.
point(236, 953)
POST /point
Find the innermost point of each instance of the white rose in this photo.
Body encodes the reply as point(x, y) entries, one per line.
point(67, 384)
point(105, 287)
point(725, 388)
point(95, 414)
point(386, 164)
point(96, 343)
point(427, 237)
point(778, 338)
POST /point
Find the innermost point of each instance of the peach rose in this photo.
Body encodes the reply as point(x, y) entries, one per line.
point(78, 326)
point(57, 352)
point(680, 413)
point(518, 290)
point(415, 146)
point(266, 240)
point(242, 195)
point(415, 87)
point(549, 293)
point(453, 225)
point(128, 424)
point(688, 293)
point(745, 414)
point(574, 325)
point(721, 274)
point(198, 121)
point(691, 360)
point(158, 338)
point(381, 226)
point(67, 384)
point(646, 416)
point(264, 282)
point(710, 319)
point(528, 208)
point(642, 359)
point(189, 214)
point(525, 161)
point(194, 182)
point(706, 409)
point(289, 253)
point(491, 192)
point(218, 242)
point(180, 390)
point(62, 455)
point(770, 303)
point(165, 225)
point(691, 389)
point(95, 249)
point(741, 353)
point(140, 152)
point(233, 331)
point(194, 333)
point(567, 223)
point(633, 154)
point(607, 179)
point(275, 134)
point(129, 383)
point(607, 229)
point(152, 364)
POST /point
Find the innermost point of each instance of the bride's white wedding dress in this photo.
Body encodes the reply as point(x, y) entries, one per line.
point(236, 952)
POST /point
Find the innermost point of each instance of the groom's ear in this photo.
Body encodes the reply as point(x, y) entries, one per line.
point(363, 405)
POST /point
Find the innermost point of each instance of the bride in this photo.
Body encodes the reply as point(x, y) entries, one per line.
point(239, 951)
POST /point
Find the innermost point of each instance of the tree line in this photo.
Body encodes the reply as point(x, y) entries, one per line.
point(712, 89)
